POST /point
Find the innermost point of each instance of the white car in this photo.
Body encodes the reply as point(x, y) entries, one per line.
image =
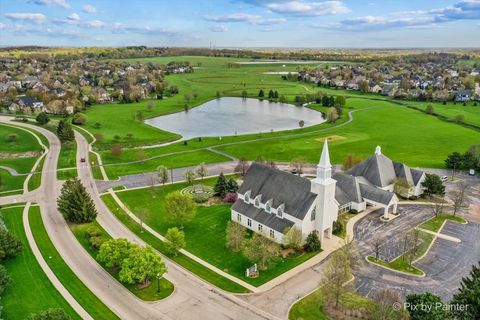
point(444, 178)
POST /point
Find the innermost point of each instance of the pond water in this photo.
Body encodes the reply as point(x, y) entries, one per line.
point(231, 116)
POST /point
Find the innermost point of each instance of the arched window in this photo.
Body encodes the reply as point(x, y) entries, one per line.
point(314, 213)
point(280, 212)
point(246, 197)
point(267, 207)
point(257, 202)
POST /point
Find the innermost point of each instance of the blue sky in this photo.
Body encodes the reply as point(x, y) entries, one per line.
point(241, 23)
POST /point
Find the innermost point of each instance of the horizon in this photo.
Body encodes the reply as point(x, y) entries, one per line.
point(299, 24)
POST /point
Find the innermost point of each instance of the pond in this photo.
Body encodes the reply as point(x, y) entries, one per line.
point(231, 116)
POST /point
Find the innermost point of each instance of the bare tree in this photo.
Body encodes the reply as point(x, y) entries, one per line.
point(350, 250)
point(337, 273)
point(242, 166)
point(142, 215)
point(437, 206)
point(189, 176)
point(298, 163)
point(458, 197)
point(201, 171)
point(377, 247)
point(151, 182)
point(385, 300)
point(414, 244)
point(162, 172)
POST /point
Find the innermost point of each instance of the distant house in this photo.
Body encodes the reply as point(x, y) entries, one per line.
point(389, 90)
point(462, 96)
point(29, 102)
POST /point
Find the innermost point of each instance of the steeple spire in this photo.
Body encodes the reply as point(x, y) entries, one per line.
point(324, 167)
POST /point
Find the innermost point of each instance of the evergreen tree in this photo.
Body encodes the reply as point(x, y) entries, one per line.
point(42, 118)
point(275, 94)
point(433, 185)
point(64, 131)
point(425, 306)
point(454, 161)
point(232, 186)
point(468, 295)
point(261, 94)
point(75, 203)
point(221, 186)
point(270, 94)
point(312, 243)
point(10, 246)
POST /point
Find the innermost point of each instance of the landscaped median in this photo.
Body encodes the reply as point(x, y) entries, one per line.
point(434, 224)
point(69, 280)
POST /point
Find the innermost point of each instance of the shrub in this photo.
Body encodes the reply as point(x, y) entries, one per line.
point(5, 279)
point(11, 137)
point(337, 228)
point(230, 197)
point(412, 198)
point(96, 242)
point(10, 246)
point(93, 231)
point(353, 211)
point(312, 243)
point(50, 314)
point(42, 118)
point(79, 118)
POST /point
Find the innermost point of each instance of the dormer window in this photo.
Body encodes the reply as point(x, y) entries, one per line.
point(246, 197)
point(280, 212)
point(257, 201)
point(268, 208)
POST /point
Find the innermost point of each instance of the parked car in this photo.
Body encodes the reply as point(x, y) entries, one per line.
point(471, 172)
point(82, 159)
point(444, 178)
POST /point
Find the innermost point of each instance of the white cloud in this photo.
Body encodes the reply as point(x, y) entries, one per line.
point(37, 18)
point(74, 17)
point(93, 24)
point(218, 28)
point(60, 3)
point(89, 8)
point(245, 17)
point(304, 8)
point(2, 26)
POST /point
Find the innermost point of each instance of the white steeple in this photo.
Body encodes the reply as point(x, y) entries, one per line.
point(378, 150)
point(324, 167)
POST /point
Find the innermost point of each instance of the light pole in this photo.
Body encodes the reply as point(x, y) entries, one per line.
point(158, 282)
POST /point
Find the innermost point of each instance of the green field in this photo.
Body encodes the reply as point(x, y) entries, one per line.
point(148, 293)
point(205, 235)
point(24, 141)
point(29, 283)
point(70, 281)
point(435, 223)
point(8, 183)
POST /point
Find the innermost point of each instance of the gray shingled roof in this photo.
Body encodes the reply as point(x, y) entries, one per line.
point(416, 175)
point(346, 188)
point(403, 171)
point(267, 219)
point(375, 194)
point(282, 187)
point(377, 169)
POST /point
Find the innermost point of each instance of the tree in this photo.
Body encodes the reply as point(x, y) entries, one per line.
point(377, 247)
point(10, 246)
point(142, 215)
point(49, 314)
point(75, 203)
point(340, 100)
point(293, 238)
point(350, 250)
point(112, 252)
point(64, 131)
point(244, 94)
point(180, 207)
point(386, 300)
point(79, 119)
point(459, 118)
point(242, 166)
point(236, 234)
point(261, 250)
point(401, 187)
point(437, 206)
point(116, 150)
point(454, 161)
point(298, 163)
point(5, 279)
point(429, 109)
point(261, 94)
point(332, 115)
point(189, 176)
point(175, 240)
point(312, 243)
point(201, 171)
point(232, 186)
point(162, 173)
point(458, 197)
point(150, 105)
point(468, 295)
point(221, 186)
point(363, 86)
point(42, 118)
point(425, 306)
point(433, 185)
point(350, 161)
point(337, 273)
point(415, 242)
point(141, 265)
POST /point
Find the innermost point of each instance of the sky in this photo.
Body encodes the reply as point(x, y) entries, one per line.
point(242, 23)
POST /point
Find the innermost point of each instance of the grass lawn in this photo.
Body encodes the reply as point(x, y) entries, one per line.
point(187, 263)
point(173, 161)
point(97, 174)
point(9, 182)
point(67, 159)
point(36, 179)
point(72, 283)
point(435, 223)
point(205, 234)
point(149, 293)
point(24, 142)
point(29, 283)
point(312, 306)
